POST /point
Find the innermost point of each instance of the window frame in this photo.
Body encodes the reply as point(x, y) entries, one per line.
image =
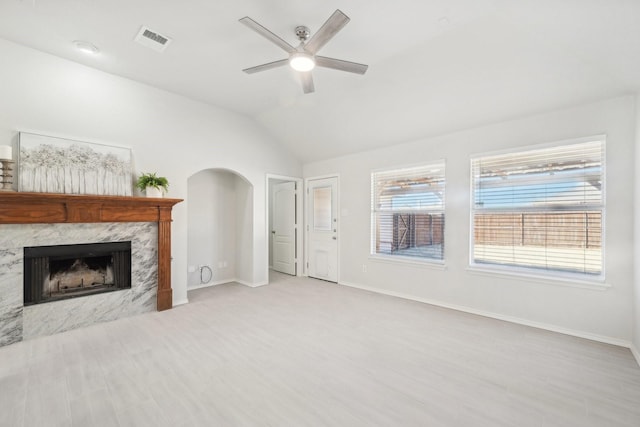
point(437, 263)
point(571, 278)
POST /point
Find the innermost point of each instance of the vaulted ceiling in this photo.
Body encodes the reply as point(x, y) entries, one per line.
point(435, 66)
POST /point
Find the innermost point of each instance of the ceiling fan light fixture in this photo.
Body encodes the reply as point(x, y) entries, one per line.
point(301, 61)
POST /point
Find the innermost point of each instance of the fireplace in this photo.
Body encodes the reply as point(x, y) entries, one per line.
point(58, 272)
point(37, 219)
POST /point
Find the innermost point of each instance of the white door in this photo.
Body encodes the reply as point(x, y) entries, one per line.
point(322, 226)
point(284, 227)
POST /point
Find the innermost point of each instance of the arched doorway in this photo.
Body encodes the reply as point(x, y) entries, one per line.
point(219, 228)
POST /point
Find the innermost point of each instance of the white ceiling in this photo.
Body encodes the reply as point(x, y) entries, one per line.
point(435, 66)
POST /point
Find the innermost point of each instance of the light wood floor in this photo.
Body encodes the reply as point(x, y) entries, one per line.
point(301, 352)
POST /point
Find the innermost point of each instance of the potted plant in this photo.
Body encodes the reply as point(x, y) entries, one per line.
point(153, 185)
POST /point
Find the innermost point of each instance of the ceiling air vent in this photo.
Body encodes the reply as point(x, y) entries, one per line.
point(149, 38)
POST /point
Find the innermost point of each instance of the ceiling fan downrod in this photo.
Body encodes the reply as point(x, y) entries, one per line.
point(302, 33)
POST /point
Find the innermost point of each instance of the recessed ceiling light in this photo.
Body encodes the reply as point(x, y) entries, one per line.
point(86, 47)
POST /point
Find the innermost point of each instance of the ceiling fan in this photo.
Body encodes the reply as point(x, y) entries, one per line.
point(303, 58)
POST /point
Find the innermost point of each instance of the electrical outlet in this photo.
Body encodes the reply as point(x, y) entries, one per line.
point(364, 268)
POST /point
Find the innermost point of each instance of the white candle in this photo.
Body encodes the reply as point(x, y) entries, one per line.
point(5, 152)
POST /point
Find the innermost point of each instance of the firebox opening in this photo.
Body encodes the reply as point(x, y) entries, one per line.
point(68, 271)
point(77, 275)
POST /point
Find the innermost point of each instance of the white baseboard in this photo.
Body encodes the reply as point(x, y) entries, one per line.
point(207, 285)
point(525, 322)
point(222, 282)
point(635, 352)
point(181, 302)
point(252, 285)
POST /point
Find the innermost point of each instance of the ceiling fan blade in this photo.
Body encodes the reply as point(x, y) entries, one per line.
point(267, 66)
point(339, 64)
point(267, 34)
point(307, 82)
point(327, 31)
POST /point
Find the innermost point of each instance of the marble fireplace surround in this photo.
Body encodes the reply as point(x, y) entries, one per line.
point(32, 219)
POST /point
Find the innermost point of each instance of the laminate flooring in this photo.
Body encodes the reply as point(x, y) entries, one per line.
point(302, 352)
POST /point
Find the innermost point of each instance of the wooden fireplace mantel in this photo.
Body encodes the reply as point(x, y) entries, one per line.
point(48, 208)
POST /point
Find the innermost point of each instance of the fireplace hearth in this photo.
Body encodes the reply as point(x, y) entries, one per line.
point(58, 272)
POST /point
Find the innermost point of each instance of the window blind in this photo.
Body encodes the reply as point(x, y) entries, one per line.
point(540, 208)
point(407, 207)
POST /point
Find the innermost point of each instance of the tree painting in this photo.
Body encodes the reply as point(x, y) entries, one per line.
point(56, 165)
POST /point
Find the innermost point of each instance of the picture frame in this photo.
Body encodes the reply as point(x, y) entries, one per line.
point(49, 164)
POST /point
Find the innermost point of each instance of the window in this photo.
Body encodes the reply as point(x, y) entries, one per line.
point(541, 209)
point(407, 212)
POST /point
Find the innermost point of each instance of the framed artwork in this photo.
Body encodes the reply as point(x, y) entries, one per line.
point(57, 165)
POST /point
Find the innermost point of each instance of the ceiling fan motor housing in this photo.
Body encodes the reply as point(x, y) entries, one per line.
point(302, 33)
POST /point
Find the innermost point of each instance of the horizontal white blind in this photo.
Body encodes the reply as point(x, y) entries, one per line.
point(540, 208)
point(564, 176)
point(407, 208)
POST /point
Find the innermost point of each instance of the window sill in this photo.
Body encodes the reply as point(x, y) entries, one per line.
point(539, 278)
point(426, 263)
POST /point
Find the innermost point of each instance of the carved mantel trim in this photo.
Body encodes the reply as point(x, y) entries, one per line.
point(48, 208)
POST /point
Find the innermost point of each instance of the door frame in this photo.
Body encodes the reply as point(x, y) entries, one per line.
point(299, 256)
point(307, 212)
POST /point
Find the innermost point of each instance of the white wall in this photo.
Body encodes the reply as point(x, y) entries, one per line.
point(168, 134)
point(245, 216)
point(636, 296)
point(602, 314)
